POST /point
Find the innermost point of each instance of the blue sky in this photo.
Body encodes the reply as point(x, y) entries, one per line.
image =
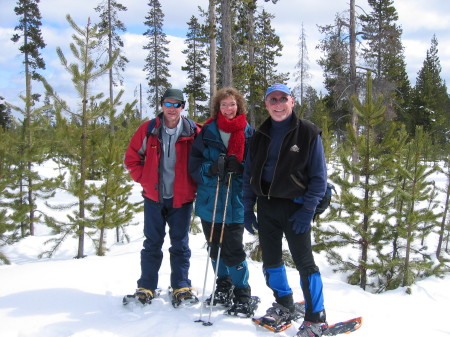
point(419, 20)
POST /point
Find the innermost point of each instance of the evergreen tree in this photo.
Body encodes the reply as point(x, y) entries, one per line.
point(78, 134)
point(431, 105)
point(32, 42)
point(156, 63)
point(336, 69)
point(414, 218)
point(265, 60)
point(301, 75)
point(5, 114)
point(196, 57)
point(8, 228)
point(113, 210)
point(384, 54)
point(33, 143)
point(365, 202)
point(111, 26)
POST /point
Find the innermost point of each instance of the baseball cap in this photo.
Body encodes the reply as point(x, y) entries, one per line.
point(174, 94)
point(278, 87)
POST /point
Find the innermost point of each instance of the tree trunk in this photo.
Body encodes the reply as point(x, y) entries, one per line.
point(444, 217)
point(226, 42)
point(352, 29)
point(110, 52)
point(212, 53)
point(251, 59)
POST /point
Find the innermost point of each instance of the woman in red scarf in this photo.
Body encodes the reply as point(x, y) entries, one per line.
point(219, 150)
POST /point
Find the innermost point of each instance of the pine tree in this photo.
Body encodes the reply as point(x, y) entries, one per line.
point(5, 114)
point(265, 60)
point(110, 26)
point(79, 133)
point(336, 69)
point(301, 75)
point(363, 201)
point(196, 57)
point(156, 63)
point(431, 104)
point(384, 54)
point(8, 228)
point(32, 42)
point(113, 210)
point(414, 217)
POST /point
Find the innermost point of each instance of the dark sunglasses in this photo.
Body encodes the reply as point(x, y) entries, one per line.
point(175, 105)
point(274, 101)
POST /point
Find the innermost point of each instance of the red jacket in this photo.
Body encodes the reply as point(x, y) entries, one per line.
point(142, 160)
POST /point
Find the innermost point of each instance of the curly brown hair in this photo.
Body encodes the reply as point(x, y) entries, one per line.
point(227, 92)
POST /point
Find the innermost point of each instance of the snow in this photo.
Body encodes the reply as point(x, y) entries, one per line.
point(66, 297)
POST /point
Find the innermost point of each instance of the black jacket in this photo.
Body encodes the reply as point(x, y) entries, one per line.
point(289, 179)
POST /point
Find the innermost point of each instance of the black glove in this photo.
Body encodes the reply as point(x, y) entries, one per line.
point(233, 165)
point(217, 168)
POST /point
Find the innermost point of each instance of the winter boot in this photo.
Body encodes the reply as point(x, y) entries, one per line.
point(311, 329)
point(244, 304)
point(276, 316)
point(224, 292)
point(183, 296)
point(144, 296)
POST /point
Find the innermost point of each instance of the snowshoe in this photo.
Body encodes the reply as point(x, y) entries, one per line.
point(142, 296)
point(183, 297)
point(244, 309)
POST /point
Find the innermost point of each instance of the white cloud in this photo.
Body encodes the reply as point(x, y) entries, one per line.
point(419, 20)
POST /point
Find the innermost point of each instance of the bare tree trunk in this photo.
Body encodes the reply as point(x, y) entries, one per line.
point(226, 42)
point(27, 125)
point(444, 217)
point(251, 58)
point(352, 29)
point(212, 53)
point(110, 52)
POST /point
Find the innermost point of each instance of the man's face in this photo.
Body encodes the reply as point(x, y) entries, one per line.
point(279, 105)
point(171, 113)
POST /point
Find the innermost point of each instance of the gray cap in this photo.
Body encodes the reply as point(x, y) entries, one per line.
point(174, 94)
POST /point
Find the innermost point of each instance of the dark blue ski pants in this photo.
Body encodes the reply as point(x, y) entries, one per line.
point(156, 216)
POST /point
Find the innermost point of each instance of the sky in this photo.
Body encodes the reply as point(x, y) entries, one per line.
point(66, 297)
point(419, 19)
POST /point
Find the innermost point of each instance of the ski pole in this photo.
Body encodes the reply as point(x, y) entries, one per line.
point(221, 164)
point(218, 253)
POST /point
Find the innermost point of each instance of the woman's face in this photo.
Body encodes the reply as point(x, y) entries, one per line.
point(228, 107)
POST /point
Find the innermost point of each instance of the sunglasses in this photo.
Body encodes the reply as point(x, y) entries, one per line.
point(274, 101)
point(175, 105)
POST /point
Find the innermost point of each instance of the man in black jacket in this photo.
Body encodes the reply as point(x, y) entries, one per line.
point(285, 175)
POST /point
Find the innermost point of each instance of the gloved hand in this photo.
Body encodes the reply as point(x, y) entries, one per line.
point(233, 165)
point(301, 220)
point(250, 222)
point(217, 168)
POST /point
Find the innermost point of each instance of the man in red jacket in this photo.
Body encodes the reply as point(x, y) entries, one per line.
point(157, 158)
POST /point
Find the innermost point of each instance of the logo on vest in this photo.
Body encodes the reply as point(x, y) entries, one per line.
point(294, 148)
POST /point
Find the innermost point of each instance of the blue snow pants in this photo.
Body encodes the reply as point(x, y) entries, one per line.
point(156, 215)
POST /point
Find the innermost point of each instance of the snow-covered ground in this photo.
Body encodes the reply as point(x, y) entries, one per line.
point(63, 296)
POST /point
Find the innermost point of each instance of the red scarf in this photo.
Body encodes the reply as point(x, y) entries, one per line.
point(236, 127)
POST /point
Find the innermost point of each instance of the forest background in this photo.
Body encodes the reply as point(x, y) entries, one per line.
point(385, 133)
